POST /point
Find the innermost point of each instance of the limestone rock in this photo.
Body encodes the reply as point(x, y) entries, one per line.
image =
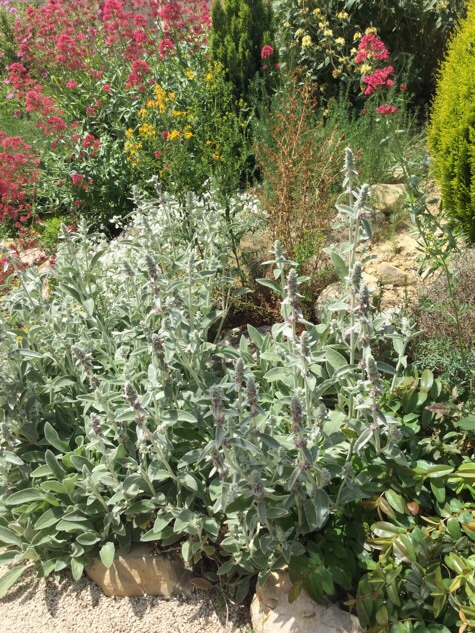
point(387, 198)
point(139, 573)
point(271, 611)
point(390, 274)
point(371, 281)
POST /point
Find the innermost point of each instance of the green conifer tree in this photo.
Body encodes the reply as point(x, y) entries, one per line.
point(241, 28)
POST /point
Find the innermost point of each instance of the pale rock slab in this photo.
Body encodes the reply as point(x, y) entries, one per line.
point(387, 198)
point(140, 573)
point(390, 274)
point(271, 611)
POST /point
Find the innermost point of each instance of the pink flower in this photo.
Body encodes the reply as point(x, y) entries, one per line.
point(403, 87)
point(266, 51)
point(90, 111)
point(386, 109)
point(71, 84)
point(379, 78)
point(265, 67)
point(90, 141)
point(139, 70)
point(170, 12)
point(277, 66)
point(165, 46)
point(371, 46)
point(107, 88)
point(77, 179)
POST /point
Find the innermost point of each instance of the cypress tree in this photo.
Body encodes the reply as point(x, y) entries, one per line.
point(240, 30)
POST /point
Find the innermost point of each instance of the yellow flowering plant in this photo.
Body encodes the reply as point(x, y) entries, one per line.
point(193, 137)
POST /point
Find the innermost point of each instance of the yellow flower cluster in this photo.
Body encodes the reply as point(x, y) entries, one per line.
point(175, 134)
point(189, 74)
point(162, 98)
point(132, 150)
point(306, 41)
point(147, 131)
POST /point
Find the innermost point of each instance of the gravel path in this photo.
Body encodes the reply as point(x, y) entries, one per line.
point(48, 606)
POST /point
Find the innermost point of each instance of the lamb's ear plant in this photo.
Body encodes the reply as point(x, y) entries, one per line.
point(125, 418)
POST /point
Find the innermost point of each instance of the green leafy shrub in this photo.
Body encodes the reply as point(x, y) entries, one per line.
point(242, 41)
point(451, 128)
point(319, 38)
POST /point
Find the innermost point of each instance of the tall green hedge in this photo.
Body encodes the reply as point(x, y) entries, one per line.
point(240, 30)
point(452, 126)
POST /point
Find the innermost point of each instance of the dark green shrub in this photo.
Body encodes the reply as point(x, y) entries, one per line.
point(452, 129)
point(242, 40)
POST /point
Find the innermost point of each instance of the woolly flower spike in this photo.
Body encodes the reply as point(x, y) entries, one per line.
point(82, 357)
point(356, 276)
point(325, 477)
point(362, 198)
point(278, 251)
point(373, 374)
point(95, 424)
point(128, 269)
point(305, 344)
point(257, 486)
point(291, 289)
point(239, 374)
point(296, 412)
point(251, 394)
point(131, 395)
point(152, 268)
point(349, 167)
point(321, 414)
point(217, 406)
point(364, 299)
point(394, 434)
point(157, 347)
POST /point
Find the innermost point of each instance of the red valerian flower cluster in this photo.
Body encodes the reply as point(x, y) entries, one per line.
point(386, 109)
point(380, 78)
point(371, 47)
point(267, 51)
point(18, 174)
point(372, 50)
